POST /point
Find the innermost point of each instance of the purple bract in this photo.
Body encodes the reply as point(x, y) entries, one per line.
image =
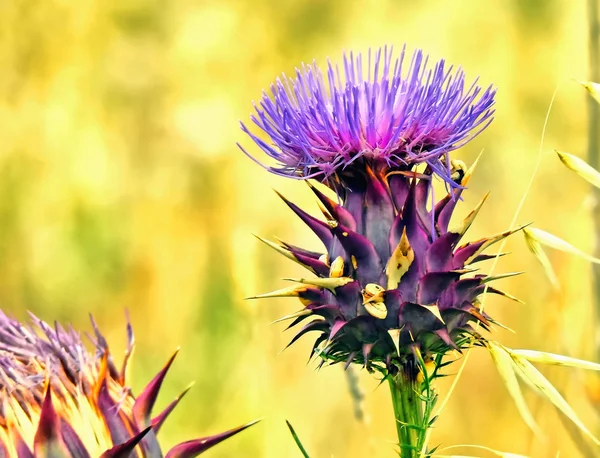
point(59, 400)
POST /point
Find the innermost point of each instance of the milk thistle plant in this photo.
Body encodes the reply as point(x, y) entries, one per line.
point(58, 400)
point(395, 289)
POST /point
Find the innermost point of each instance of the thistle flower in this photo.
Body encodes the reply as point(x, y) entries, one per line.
point(59, 400)
point(384, 117)
point(394, 289)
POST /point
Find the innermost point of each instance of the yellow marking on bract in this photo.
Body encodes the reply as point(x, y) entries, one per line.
point(469, 172)
point(465, 224)
point(376, 309)
point(491, 240)
point(395, 335)
point(580, 167)
point(329, 283)
point(354, 262)
point(373, 292)
point(435, 310)
point(324, 258)
point(332, 223)
point(400, 261)
point(325, 212)
point(345, 234)
point(337, 267)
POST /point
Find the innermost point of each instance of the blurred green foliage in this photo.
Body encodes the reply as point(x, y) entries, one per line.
point(122, 188)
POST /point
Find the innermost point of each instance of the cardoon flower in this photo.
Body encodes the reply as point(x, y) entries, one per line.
point(59, 400)
point(394, 288)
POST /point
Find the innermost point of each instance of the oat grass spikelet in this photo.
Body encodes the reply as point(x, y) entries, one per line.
point(59, 400)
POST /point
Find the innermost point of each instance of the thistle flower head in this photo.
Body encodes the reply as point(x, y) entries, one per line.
point(329, 124)
point(59, 400)
point(393, 286)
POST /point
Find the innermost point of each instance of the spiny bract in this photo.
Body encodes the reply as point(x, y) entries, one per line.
point(58, 400)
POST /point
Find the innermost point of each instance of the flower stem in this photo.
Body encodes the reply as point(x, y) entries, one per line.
point(413, 403)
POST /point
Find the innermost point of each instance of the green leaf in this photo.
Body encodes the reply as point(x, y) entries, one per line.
point(504, 364)
point(542, 386)
point(579, 166)
point(297, 440)
point(551, 358)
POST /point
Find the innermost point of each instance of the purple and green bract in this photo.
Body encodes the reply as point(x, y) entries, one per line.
point(394, 286)
point(59, 400)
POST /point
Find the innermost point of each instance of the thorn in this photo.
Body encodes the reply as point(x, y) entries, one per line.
point(299, 313)
point(327, 282)
point(290, 291)
point(462, 227)
point(395, 335)
point(501, 276)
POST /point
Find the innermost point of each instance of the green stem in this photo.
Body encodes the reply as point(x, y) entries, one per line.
point(413, 404)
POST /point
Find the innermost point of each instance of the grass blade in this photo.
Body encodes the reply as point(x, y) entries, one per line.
point(552, 358)
point(504, 364)
point(297, 440)
point(579, 166)
point(552, 241)
point(536, 248)
point(542, 386)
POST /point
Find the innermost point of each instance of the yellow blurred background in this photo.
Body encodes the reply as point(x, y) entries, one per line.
point(121, 188)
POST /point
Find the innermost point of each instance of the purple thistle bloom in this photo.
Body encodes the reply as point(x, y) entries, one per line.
point(320, 124)
point(59, 400)
point(394, 285)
